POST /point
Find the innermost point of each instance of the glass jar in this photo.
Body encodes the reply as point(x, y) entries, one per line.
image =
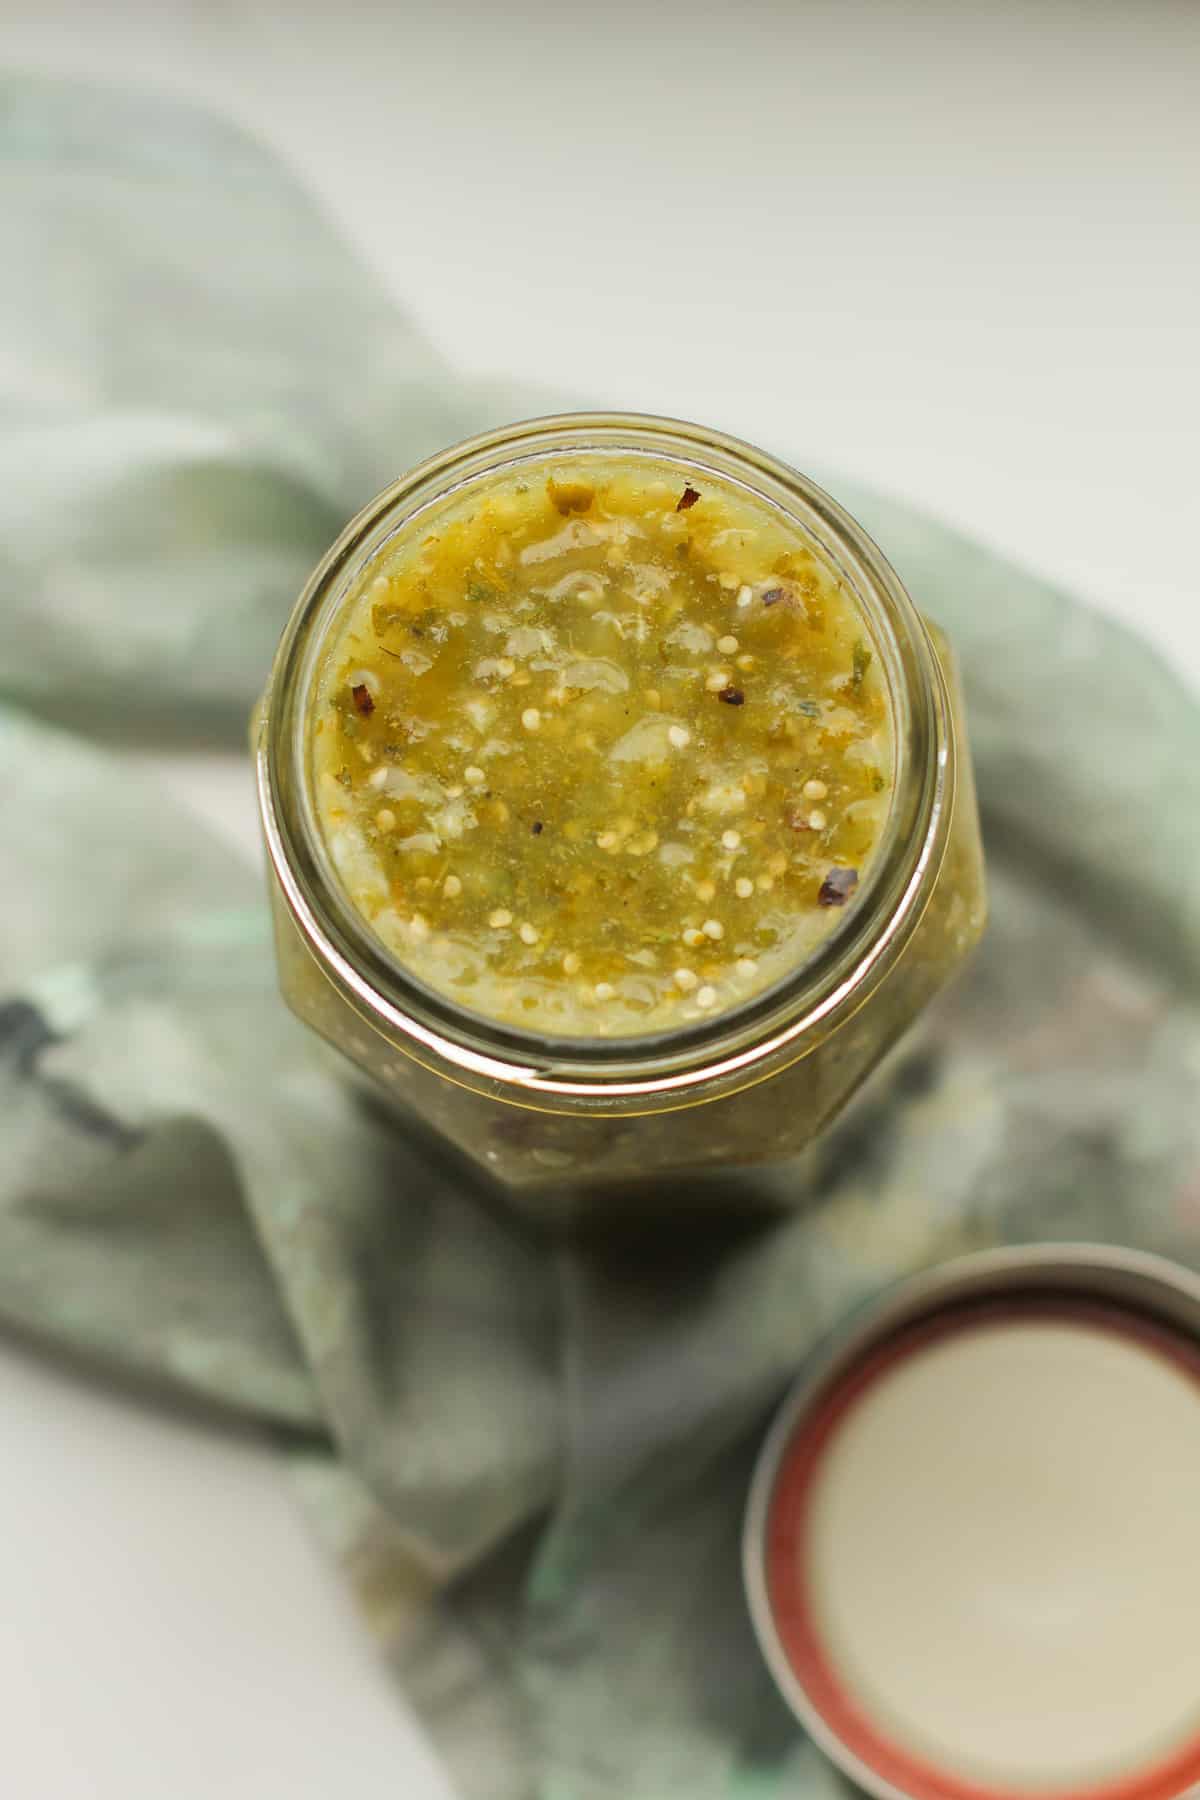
point(561, 1122)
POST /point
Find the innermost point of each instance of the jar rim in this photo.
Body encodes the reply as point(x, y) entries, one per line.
point(768, 1029)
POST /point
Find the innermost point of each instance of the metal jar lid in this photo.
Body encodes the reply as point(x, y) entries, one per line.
point(972, 1547)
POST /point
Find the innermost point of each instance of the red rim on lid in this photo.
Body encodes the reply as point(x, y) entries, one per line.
point(1140, 1313)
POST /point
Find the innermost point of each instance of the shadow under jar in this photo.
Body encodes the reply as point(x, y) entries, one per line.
point(567, 1089)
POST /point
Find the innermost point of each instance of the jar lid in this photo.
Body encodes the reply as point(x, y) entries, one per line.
point(971, 1544)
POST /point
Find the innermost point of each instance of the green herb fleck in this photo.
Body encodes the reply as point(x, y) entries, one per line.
point(570, 496)
point(385, 617)
point(861, 663)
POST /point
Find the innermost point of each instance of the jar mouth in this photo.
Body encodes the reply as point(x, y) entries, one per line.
point(787, 1016)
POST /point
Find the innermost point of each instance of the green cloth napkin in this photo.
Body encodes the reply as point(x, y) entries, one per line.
point(530, 1458)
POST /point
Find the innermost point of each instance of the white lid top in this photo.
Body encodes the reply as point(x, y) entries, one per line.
point(1003, 1553)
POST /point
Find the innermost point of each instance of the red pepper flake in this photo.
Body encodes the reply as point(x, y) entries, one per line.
point(687, 499)
point(732, 696)
point(363, 702)
point(798, 819)
point(837, 887)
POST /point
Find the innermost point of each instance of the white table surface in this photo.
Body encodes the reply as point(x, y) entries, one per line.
point(953, 250)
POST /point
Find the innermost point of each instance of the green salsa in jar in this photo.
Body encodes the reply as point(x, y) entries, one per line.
point(598, 753)
point(617, 804)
